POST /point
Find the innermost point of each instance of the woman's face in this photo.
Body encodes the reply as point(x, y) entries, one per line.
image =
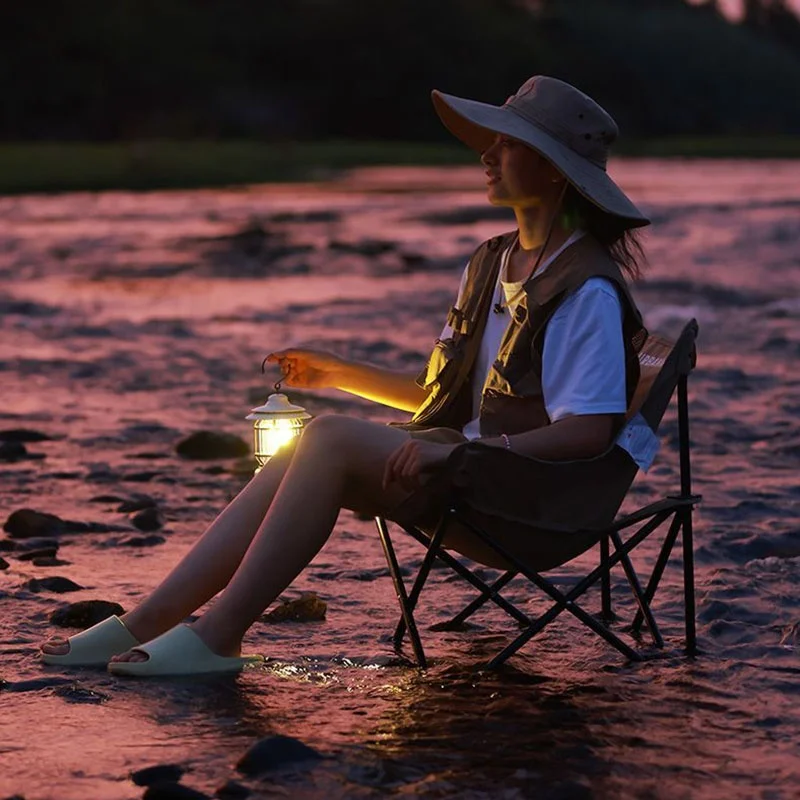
point(517, 175)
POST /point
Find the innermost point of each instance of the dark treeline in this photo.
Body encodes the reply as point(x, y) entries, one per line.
point(132, 69)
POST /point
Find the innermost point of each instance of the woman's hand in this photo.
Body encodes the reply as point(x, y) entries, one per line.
point(414, 457)
point(307, 369)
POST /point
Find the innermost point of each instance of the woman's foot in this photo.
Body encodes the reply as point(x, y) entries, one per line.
point(214, 644)
point(179, 651)
point(92, 647)
point(140, 631)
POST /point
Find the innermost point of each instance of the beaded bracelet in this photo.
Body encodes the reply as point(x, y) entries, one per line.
point(506, 441)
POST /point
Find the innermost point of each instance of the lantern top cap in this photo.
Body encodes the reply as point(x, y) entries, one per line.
point(277, 407)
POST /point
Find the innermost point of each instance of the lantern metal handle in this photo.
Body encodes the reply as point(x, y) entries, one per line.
point(263, 365)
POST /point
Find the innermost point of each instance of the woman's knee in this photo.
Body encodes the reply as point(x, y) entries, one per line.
point(332, 433)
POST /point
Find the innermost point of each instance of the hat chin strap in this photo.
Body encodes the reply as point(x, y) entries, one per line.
point(550, 226)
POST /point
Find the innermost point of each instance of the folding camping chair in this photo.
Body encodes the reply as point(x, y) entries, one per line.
point(473, 497)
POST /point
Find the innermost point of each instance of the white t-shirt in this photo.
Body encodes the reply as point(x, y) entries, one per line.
point(583, 358)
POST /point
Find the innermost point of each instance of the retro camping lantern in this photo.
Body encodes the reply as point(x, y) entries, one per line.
point(275, 424)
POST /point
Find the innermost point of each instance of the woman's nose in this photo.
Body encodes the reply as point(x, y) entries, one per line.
point(488, 156)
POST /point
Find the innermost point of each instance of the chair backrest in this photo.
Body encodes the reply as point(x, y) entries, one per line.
point(661, 378)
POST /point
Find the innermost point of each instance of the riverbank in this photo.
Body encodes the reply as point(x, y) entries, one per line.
point(34, 167)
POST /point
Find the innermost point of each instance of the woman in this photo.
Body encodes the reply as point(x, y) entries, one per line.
point(538, 356)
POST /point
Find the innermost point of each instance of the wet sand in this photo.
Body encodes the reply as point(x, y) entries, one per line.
point(130, 321)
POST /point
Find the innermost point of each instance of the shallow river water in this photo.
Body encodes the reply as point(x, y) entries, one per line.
point(128, 321)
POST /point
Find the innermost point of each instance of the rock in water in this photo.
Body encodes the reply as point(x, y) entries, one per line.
point(306, 608)
point(85, 613)
point(53, 584)
point(212, 444)
point(148, 519)
point(22, 435)
point(275, 752)
point(169, 790)
point(157, 774)
point(27, 523)
point(12, 451)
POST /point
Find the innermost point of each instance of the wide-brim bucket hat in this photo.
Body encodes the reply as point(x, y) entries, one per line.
point(561, 123)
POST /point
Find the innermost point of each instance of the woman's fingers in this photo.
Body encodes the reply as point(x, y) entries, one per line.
point(403, 466)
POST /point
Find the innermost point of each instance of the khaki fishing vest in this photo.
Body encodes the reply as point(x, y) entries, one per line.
point(512, 399)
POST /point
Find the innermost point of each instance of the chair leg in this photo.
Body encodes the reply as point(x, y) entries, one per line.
point(605, 584)
point(688, 582)
point(422, 575)
point(491, 593)
point(658, 569)
point(633, 580)
point(405, 609)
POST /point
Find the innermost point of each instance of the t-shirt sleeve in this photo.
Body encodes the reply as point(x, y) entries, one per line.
point(447, 331)
point(583, 362)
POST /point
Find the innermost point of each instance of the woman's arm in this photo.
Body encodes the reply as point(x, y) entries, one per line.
point(316, 369)
point(581, 436)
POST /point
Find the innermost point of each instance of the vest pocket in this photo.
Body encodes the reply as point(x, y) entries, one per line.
point(443, 362)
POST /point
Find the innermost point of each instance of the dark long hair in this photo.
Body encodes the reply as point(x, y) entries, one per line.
point(623, 243)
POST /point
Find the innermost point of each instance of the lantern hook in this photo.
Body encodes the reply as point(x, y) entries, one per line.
point(277, 383)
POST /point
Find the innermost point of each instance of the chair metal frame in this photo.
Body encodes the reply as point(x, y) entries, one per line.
point(678, 508)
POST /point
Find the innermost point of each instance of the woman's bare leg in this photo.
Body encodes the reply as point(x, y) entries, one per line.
point(209, 565)
point(338, 463)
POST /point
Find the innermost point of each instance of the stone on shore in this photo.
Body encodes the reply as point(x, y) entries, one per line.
point(212, 444)
point(275, 752)
point(85, 613)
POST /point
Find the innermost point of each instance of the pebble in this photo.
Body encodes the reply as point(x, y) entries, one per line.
point(54, 583)
point(306, 608)
point(157, 773)
point(75, 693)
point(275, 752)
point(85, 613)
point(212, 444)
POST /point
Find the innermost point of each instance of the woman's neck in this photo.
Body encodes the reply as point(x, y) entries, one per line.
point(533, 223)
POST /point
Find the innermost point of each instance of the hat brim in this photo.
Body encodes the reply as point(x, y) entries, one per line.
point(476, 124)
